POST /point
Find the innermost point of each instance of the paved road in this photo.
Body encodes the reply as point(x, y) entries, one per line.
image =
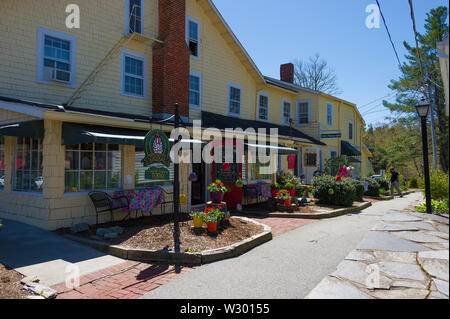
point(289, 266)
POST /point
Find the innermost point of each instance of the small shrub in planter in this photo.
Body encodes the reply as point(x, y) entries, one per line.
point(373, 187)
point(359, 188)
point(329, 191)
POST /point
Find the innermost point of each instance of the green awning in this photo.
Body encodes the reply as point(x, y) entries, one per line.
point(32, 129)
point(353, 160)
point(348, 149)
point(280, 149)
point(73, 134)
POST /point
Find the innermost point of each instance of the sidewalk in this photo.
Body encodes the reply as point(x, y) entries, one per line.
point(404, 256)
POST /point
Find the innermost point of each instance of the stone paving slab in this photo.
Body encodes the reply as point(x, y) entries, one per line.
point(404, 256)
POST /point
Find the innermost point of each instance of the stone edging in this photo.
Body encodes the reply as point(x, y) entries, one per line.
point(383, 197)
point(203, 257)
point(330, 214)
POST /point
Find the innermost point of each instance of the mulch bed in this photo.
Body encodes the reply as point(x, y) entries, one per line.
point(10, 286)
point(156, 233)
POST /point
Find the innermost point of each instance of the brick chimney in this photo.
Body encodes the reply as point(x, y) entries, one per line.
point(287, 72)
point(171, 61)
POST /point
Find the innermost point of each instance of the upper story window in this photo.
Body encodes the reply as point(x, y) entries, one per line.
point(133, 79)
point(55, 58)
point(263, 107)
point(350, 130)
point(329, 114)
point(193, 37)
point(234, 99)
point(134, 15)
point(93, 166)
point(286, 115)
point(28, 165)
point(195, 90)
point(303, 112)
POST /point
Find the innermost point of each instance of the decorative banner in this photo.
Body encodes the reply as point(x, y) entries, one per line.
point(157, 173)
point(157, 148)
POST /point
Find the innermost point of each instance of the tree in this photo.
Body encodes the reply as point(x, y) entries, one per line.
point(316, 75)
point(422, 68)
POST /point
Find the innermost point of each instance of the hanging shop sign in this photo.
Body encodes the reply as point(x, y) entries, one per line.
point(157, 151)
point(330, 135)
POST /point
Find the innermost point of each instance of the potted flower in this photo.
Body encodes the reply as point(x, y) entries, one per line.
point(211, 217)
point(197, 217)
point(284, 197)
point(291, 189)
point(217, 189)
point(239, 183)
point(274, 188)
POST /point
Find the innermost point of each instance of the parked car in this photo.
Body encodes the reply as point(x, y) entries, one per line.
point(38, 182)
point(376, 176)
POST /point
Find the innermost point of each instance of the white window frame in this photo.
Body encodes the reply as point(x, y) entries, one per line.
point(199, 75)
point(127, 17)
point(41, 33)
point(334, 150)
point(297, 112)
point(259, 106)
point(236, 86)
point(283, 120)
point(136, 56)
point(329, 107)
point(353, 130)
point(189, 19)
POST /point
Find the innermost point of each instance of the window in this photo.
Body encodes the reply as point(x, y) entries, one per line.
point(93, 166)
point(55, 58)
point(329, 114)
point(234, 99)
point(133, 80)
point(350, 130)
point(260, 171)
point(134, 16)
point(28, 165)
point(263, 107)
point(286, 116)
point(333, 154)
point(195, 90)
point(280, 163)
point(2, 162)
point(140, 169)
point(311, 159)
point(193, 36)
point(303, 112)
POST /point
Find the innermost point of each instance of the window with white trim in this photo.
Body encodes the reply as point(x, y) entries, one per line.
point(286, 116)
point(195, 90)
point(329, 114)
point(193, 36)
point(55, 58)
point(134, 17)
point(350, 130)
point(93, 166)
point(27, 165)
point(234, 99)
point(303, 112)
point(2, 162)
point(263, 107)
point(133, 74)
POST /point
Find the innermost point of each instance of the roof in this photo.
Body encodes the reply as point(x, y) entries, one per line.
point(223, 122)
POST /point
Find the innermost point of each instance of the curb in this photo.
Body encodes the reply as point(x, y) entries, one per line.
point(388, 197)
point(203, 257)
point(330, 214)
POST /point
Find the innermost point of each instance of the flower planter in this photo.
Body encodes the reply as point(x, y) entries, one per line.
point(198, 222)
point(287, 202)
point(274, 192)
point(292, 192)
point(280, 201)
point(212, 227)
point(216, 197)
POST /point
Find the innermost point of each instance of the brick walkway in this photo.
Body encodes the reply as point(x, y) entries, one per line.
point(283, 225)
point(128, 280)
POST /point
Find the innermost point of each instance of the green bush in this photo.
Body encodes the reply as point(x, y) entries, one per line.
point(329, 191)
point(440, 207)
point(373, 187)
point(359, 188)
point(384, 184)
point(438, 185)
point(285, 178)
point(413, 183)
point(383, 192)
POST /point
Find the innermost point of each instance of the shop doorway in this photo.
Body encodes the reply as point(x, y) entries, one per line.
point(198, 192)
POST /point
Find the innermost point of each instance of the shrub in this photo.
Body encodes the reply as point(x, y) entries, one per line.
point(438, 207)
point(328, 191)
point(413, 183)
point(359, 188)
point(438, 185)
point(373, 187)
point(285, 178)
point(384, 184)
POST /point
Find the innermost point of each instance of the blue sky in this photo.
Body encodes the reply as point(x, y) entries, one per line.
point(276, 32)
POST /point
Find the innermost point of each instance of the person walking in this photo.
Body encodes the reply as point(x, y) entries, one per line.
point(395, 182)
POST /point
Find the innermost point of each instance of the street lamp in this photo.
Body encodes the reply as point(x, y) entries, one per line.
point(423, 108)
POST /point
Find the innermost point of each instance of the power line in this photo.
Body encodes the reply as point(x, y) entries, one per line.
point(365, 105)
point(389, 34)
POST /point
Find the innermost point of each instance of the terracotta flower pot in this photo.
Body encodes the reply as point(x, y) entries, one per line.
point(198, 222)
point(212, 227)
point(287, 202)
point(216, 197)
point(292, 192)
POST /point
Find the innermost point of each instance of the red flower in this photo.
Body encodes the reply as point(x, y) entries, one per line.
point(220, 207)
